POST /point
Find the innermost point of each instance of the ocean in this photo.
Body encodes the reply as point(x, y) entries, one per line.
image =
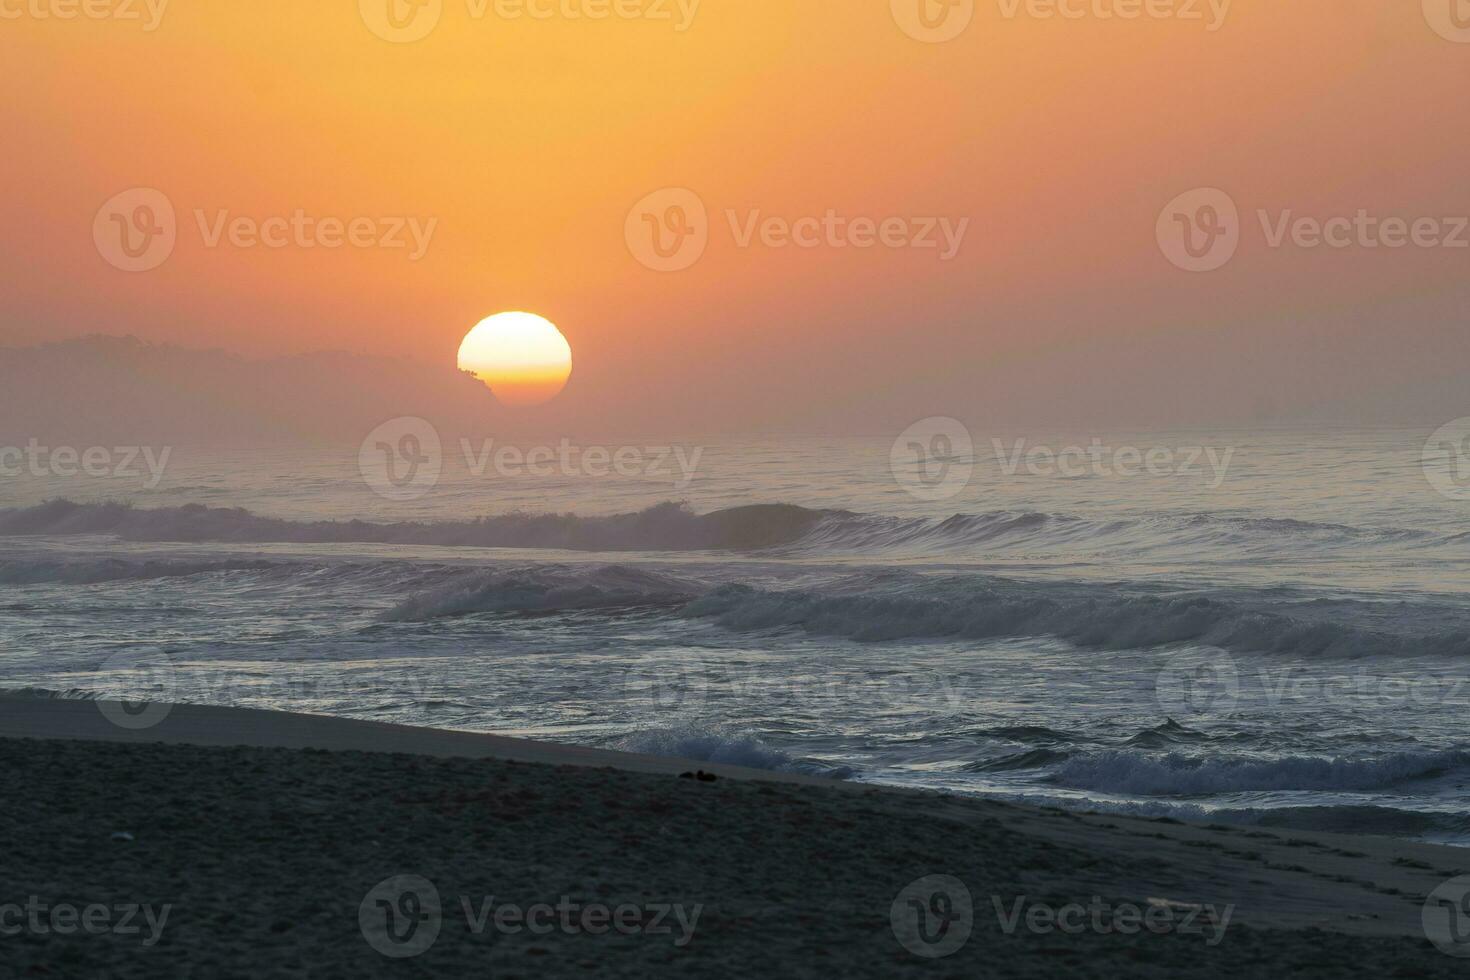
point(1265, 627)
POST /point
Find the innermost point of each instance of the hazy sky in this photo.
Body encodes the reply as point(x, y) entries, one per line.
point(520, 144)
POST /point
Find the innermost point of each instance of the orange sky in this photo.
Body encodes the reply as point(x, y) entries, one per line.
point(527, 142)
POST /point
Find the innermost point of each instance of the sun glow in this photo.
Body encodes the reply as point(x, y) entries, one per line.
point(522, 357)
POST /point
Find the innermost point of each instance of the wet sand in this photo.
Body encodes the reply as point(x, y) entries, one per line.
point(252, 843)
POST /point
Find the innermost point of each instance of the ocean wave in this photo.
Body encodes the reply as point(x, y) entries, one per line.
point(48, 694)
point(844, 532)
point(665, 527)
point(786, 529)
point(1029, 733)
point(892, 606)
point(700, 745)
point(1177, 774)
point(95, 571)
point(1167, 734)
point(544, 588)
point(878, 605)
point(1034, 759)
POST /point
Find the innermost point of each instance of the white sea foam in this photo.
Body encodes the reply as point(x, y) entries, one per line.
point(735, 749)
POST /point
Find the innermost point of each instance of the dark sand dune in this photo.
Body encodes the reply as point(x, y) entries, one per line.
point(272, 862)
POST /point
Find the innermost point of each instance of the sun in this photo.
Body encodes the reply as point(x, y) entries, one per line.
point(521, 357)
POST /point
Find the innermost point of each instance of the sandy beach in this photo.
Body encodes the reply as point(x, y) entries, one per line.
point(227, 842)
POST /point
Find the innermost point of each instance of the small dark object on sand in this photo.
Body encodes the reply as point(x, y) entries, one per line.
point(702, 776)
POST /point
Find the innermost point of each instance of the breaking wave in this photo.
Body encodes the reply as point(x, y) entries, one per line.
point(1176, 774)
point(699, 745)
point(870, 606)
point(541, 589)
point(49, 694)
point(891, 606)
point(1034, 759)
point(784, 528)
point(665, 527)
